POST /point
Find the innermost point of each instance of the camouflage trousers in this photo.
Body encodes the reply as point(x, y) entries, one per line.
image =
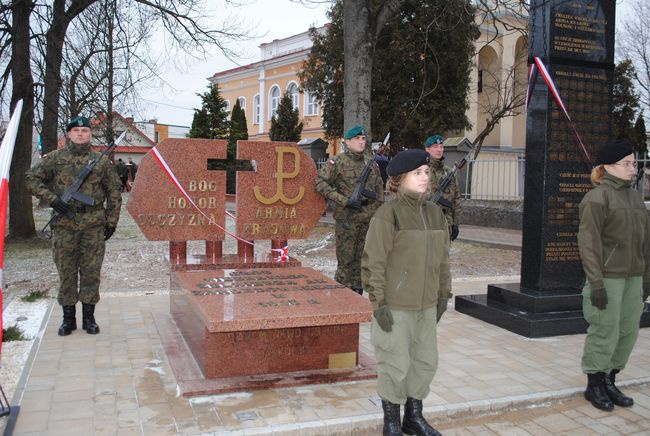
point(78, 256)
point(349, 248)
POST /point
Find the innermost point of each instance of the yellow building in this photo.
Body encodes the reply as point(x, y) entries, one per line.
point(499, 74)
point(259, 87)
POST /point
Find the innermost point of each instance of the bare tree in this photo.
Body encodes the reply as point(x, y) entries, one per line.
point(185, 21)
point(636, 46)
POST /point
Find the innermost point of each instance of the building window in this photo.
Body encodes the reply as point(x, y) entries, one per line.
point(293, 93)
point(256, 109)
point(480, 80)
point(242, 103)
point(155, 137)
point(311, 104)
point(274, 101)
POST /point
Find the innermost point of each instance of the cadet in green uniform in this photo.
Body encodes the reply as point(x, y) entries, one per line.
point(405, 270)
point(614, 243)
point(439, 170)
point(336, 182)
point(78, 243)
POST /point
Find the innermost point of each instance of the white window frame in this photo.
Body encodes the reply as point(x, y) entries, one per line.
point(256, 109)
point(311, 107)
point(242, 102)
point(227, 109)
point(295, 97)
point(274, 99)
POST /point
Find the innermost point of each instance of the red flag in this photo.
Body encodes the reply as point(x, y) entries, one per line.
point(6, 153)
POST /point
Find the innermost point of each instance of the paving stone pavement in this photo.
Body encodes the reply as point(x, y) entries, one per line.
point(489, 381)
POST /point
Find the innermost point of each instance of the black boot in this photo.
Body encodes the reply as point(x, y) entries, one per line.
point(89, 323)
point(596, 393)
point(414, 422)
point(69, 320)
point(392, 426)
point(358, 290)
point(614, 393)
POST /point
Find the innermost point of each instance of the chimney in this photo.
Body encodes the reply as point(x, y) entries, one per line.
point(129, 120)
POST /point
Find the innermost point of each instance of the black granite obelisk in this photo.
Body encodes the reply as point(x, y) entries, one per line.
point(575, 41)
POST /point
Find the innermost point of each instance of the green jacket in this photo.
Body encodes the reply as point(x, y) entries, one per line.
point(438, 171)
point(405, 262)
point(614, 233)
point(50, 178)
point(337, 179)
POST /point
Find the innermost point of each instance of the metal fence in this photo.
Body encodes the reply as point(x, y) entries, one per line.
point(503, 179)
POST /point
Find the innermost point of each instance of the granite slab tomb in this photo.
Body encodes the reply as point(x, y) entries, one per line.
point(246, 320)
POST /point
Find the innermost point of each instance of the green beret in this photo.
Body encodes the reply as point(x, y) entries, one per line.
point(355, 131)
point(78, 122)
point(612, 152)
point(406, 161)
point(435, 139)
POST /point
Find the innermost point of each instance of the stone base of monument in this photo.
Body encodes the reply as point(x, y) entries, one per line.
point(530, 313)
point(259, 328)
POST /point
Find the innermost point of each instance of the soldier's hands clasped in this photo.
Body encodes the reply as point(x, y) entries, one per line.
point(384, 318)
point(356, 205)
point(454, 232)
point(60, 206)
point(599, 298)
point(108, 232)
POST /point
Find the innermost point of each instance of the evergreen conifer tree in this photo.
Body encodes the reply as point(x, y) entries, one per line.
point(211, 121)
point(641, 139)
point(286, 124)
point(238, 126)
point(625, 101)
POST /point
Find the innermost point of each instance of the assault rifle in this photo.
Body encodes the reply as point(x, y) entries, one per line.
point(444, 184)
point(355, 202)
point(72, 193)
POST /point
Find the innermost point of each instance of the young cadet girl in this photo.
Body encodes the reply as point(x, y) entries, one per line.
point(614, 243)
point(405, 270)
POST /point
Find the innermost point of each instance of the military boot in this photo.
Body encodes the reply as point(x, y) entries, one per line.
point(69, 320)
point(596, 392)
point(614, 393)
point(391, 419)
point(89, 323)
point(358, 290)
point(414, 422)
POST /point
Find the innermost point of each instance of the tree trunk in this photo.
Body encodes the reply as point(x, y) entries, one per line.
point(21, 218)
point(357, 47)
point(55, 37)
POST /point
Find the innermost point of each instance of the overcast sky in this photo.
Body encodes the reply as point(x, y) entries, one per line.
point(273, 19)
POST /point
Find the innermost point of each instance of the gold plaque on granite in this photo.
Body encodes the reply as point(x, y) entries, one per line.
point(342, 360)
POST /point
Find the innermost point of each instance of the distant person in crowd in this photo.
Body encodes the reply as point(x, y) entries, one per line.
point(382, 163)
point(79, 231)
point(336, 181)
point(120, 167)
point(134, 168)
point(614, 243)
point(434, 145)
point(405, 270)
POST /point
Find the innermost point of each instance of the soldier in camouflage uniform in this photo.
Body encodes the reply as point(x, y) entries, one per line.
point(78, 243)
point(438, 171)
point(336, 182)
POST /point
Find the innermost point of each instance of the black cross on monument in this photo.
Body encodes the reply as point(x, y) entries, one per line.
point(231, 165)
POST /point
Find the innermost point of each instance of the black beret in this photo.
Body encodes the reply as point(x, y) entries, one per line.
point(406, 161)
point(614, 151)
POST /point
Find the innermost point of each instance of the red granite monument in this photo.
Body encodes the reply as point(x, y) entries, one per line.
point(246, 320)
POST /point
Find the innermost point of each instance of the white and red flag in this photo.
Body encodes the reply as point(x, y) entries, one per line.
point(6, 153)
